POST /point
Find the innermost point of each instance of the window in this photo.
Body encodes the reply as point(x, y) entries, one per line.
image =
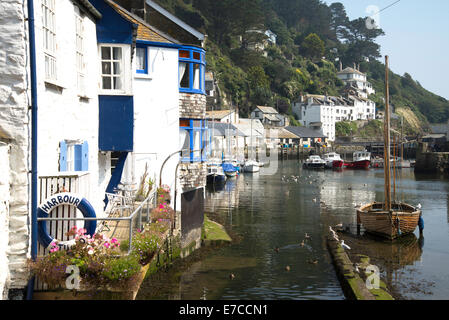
point(79, 50)
point(195, 139)
point(73, 156)
point(142, 60)
point(192, 67)
point(112, 76)
point(49, 34)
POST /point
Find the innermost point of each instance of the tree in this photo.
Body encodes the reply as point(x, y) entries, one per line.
point(312, 46)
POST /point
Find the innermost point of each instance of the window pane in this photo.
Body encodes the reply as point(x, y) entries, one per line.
point(117, 53)
point(196, 56)
point(197, 143)
point(117, 69)
point(106, 68)
point(184, 75)
point(106, 53)
point(117, 83)
point(184, 54)
point(140, 58)
point(107, 83)
point(196, 76)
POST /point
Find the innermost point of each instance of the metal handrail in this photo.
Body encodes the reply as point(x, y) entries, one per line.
point(146, 202)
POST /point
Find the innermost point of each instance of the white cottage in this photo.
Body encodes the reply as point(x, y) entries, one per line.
point(66, 157)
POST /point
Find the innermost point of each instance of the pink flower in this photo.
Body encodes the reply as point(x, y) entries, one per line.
point(114, 240)
point(107, 244)
point(54, 249)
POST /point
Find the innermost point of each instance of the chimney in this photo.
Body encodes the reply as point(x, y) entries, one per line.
point(341, 66)
point(355, 67)
point(358, 66)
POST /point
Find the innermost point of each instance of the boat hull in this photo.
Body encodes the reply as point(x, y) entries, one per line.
point(251, 168)
point(404, 219)
point(362, 164)
point(337, 164)
point(215, 178)
point(314, 165)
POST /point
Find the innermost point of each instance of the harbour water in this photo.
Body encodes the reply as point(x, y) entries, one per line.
point(264, 212)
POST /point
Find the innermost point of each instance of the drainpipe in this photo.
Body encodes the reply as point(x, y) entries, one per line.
point(33, 140)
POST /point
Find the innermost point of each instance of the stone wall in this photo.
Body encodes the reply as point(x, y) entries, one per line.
point(14, 131)
point(192, 106)
point(431, 162)
point(192, 175)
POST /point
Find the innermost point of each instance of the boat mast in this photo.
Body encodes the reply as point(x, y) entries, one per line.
point(387, 142)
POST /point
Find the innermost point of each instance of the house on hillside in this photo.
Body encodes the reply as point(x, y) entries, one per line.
point(269, 117)
point(225, 116)
point(356, 79)
point(226, 140)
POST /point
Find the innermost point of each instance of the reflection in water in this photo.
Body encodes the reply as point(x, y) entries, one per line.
point(264, 212)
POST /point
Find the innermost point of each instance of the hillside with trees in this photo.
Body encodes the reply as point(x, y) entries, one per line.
point(312, 39)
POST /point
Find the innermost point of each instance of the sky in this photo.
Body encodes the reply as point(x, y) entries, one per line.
point(416, 38)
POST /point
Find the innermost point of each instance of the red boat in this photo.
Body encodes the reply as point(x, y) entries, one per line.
point(337, 164)
point(361, 160)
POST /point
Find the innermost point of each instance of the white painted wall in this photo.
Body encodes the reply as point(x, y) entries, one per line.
point(14, 164)
point(156, 117)
point(63, 114)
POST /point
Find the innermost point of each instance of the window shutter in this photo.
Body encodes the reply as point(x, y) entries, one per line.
point(85, 156)
point(78, 157)
point(62, 156)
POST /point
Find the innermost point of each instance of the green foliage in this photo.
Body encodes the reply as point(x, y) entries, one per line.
point(306, 31)
point(117, 270)
point(345, 128)
point(313, 46)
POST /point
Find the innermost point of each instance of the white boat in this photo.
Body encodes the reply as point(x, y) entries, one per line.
point(251, 166)
point(314, 162)
point(333, 160)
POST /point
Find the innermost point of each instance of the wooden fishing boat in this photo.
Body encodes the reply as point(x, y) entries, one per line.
point(389, 219)
point(402, 219)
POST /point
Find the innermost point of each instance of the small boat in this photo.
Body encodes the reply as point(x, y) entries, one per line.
point(215, 173)
point(333, 160)
point(360, 160)
point(401, 220)
point(314, 162)
point(251, 166)
point(229, 169)
point(389, 219)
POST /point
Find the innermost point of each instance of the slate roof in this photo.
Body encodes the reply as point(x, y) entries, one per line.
point(144, 30)
point(220, 129)
point(305, 132)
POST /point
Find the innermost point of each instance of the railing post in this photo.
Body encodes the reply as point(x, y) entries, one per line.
point(130, 235)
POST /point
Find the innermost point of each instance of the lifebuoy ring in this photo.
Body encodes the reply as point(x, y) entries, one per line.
point(61, 199)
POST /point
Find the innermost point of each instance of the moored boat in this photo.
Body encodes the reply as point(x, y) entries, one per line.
point(333, 160)
point(360, 160)
point(314, 162)
point(215, 173)
point(401, 220)
point(251, 166)
point(229, 169)
point(389, 219)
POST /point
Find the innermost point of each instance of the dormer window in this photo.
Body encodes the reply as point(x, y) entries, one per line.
point(192, 66)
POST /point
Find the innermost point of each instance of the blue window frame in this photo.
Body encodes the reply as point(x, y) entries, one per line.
point(196, 139)
point(73, 157)
point(192, 68)
point(141, 59)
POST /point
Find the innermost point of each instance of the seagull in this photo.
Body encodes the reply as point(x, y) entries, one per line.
point(356, 267)
point(307, 236)
point(302, 243)
point(314, 199)
point(340, 225)
point(231, 276)
point(344, 245)
point(287, 268)
point(418, 206)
